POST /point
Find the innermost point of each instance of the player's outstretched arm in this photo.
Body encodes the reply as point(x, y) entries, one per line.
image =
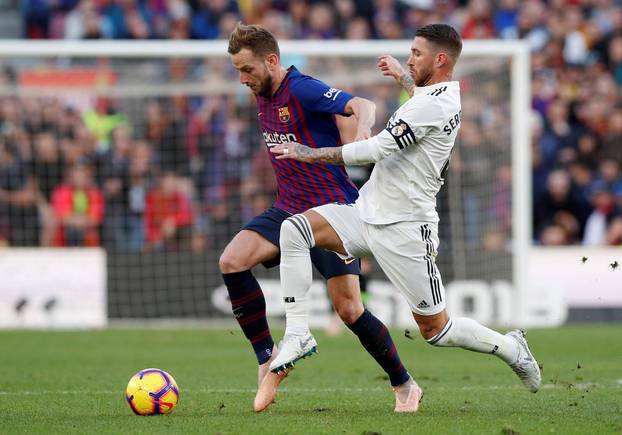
point(303, 153)
point(390, 66)
point(360, 152)
point(364, 111)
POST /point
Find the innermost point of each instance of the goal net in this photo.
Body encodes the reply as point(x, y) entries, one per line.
point(152, 151)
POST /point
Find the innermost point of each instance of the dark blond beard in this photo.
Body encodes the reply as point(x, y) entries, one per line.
point(265, 89)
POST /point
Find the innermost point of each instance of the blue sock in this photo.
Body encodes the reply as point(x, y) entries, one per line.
point(376, 339)
point(249, 309)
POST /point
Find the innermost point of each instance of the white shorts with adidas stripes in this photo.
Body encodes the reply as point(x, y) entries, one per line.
point(405, 251)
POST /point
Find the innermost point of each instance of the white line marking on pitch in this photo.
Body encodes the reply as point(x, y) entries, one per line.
point(310, 390)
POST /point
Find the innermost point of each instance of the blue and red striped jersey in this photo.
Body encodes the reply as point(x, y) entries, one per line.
point(303, 110)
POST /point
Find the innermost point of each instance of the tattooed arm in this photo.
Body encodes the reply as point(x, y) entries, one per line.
point(360, 152)
point(303, 153)
point(392, 68)
point(407, 82)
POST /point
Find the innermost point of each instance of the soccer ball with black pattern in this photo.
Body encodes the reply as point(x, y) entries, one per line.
point(152, 392)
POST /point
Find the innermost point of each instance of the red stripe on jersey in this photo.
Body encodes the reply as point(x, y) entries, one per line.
point(287, 185)
point(335, 195)
point(318, 195)
point(292, 188)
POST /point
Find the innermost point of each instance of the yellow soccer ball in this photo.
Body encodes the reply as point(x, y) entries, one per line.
point(152, 392)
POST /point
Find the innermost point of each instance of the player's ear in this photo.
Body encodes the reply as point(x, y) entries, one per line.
point(441, 59)
point(272, 61)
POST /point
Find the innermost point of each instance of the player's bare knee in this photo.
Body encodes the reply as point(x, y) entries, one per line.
point(348, 310)
point(230, 263)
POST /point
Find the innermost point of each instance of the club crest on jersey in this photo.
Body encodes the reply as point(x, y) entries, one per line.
point(399, 129)
point(284, 114)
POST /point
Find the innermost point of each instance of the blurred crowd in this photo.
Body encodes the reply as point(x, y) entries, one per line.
point(191, 170)
point(168, 180)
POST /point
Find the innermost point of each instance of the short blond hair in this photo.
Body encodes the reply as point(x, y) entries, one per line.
point(255, 38)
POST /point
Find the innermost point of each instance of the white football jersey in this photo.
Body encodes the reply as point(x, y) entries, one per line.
point(411, 155)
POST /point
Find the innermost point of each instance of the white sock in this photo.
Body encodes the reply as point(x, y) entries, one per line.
point(296, 240)
point(469, 334)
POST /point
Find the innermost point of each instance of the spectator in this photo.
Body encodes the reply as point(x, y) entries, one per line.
point(479, 23)
point(113, 177)
point(36, 15)
point(554, 235)
point(164, 129)
point(358, 28)
point(530, 25)
point(504, 18)
point(101, 120)
point(604, 211)
point(206, 20)
point(614, 234)
point(48, 168)
point(297, 16)
point(85, 22)
point(168, 215)
point(180, 16)
point(206, 146)
point(559, 133)
point(560, 204)
point(128, 19)
point(140, 180)
point(19, 215)
point(79, 209)
point(321, 22)
point(612, 148)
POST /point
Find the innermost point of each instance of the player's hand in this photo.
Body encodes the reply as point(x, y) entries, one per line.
point(390, 66)
point(362, 134)
point(293, 151)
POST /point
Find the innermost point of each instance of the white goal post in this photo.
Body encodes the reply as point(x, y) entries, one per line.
point(515, 52)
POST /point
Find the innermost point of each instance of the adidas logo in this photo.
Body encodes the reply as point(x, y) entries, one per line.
point(423, 304)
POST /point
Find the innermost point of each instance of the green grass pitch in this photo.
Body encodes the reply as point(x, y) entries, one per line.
point(73, 382)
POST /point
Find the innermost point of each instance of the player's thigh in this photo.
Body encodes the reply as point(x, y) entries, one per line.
point(246, 250)
point(406, 252)
point(257, 242)
point(344, 223)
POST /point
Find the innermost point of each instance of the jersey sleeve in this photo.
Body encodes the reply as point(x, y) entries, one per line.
point(317, 96)
point(404, 129)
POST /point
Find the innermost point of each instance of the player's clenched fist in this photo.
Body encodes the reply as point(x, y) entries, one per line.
point(390, 66)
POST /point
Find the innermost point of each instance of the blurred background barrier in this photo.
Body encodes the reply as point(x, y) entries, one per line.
point(53, 288)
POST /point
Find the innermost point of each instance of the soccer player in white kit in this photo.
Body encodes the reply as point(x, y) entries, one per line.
point(394, 219)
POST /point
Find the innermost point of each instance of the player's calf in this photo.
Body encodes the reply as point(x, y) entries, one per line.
point(511, 347)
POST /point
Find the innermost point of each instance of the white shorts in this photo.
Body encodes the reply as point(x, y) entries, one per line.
point(406, 252)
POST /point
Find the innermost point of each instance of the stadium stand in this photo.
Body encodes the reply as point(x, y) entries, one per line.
point(210, 150)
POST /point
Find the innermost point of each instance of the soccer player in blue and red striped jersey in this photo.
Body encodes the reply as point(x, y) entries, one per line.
point(293, 107)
